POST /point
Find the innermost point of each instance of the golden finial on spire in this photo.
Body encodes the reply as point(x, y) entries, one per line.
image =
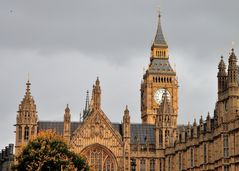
point(158, 11)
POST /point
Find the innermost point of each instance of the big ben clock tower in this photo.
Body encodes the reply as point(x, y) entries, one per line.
point(158, 78)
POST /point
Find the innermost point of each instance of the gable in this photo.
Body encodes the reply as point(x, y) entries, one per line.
point(96, 128)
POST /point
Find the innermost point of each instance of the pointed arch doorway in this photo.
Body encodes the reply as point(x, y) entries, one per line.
point(100, 158)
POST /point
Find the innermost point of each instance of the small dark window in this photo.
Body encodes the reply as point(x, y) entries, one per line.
point(26, 133)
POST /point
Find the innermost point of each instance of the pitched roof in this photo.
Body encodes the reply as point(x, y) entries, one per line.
point(160, 66)
point(57, 126)
point(142, 132)
point(159, 37)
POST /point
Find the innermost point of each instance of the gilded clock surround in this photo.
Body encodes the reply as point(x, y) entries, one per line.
point(158, 95)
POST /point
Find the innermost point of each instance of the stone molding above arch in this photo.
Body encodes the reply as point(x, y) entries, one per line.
point(100, 157)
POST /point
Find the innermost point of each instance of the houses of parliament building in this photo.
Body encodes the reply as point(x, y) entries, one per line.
point(158, 143)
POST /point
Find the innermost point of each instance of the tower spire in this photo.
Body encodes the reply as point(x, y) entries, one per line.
point(28, 92)
point(87, 100)
point(87, 105)
point(96, 95)
point(221, 76)
point(26, 125)
point(159, 48)
point(159, 39)
point(160, 76)
point(232, 70)
point(165, 106)
point(67, 124)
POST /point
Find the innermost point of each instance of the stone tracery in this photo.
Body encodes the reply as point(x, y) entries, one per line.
point(100, 158)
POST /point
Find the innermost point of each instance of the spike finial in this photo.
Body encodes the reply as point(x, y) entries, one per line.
point(126, 111)
point(221, 65)
point(208, 116)
point(67, 110)
point(159, 39)
point(232, 56)
point(201, 119)
point(97, 82)
point(159, 12)
point(87, 100)
point(87, 105)
point(96, 95)
point(195, 122)
point(28, 86)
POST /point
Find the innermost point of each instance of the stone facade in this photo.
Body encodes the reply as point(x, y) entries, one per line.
point(6, 158)
point(159, 143)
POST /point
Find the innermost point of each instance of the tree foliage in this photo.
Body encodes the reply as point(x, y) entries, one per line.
point(48, 151)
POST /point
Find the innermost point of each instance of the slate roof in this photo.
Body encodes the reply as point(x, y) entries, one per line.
point(160, 66)
point(159, 38)
point(56, 126)
point(141, 132)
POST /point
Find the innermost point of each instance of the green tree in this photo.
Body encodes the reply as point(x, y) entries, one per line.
point(48, 151)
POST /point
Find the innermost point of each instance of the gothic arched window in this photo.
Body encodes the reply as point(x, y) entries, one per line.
point(33, 130)
point(20, 133)
point(100, 159)
point(142, 165)
point(26, 133)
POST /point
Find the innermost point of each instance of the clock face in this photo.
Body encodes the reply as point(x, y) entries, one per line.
point(158, 95)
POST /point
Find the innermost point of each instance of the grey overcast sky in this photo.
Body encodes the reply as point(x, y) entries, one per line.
point(65, 45)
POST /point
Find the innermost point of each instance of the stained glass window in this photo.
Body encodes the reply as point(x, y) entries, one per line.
point(100, 160)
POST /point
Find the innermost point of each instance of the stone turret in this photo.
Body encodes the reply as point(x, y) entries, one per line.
point(232, 103)
point(195, 132)
point(67, 124)
point(27, 118)
point(221, 77)
point(232, 70)
point(165, 129)
point(189, 132)
point(96, 96)
point(183, 135)
point(201, 125)
point(208, 122)
point(126, 138)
